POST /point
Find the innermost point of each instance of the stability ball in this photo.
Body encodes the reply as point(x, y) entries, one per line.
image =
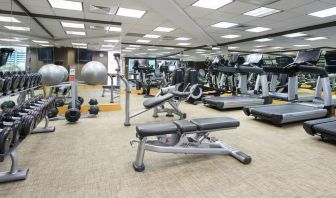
point(51, 75)
point(65, 73)
point(94, 73)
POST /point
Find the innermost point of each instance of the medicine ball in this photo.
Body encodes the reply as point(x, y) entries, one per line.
point(80, 99)
point(72, 115)
point(93, 101)
point(52, 112)
point(94, 109)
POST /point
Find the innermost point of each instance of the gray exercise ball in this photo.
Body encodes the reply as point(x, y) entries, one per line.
point(65, 73)
point(51, 75)
point(94, 73)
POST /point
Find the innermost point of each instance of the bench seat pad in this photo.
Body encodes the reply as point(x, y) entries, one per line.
point(215, 123)
point(145, 130)
point(150, 103)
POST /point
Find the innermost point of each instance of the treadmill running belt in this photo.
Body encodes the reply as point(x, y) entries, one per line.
point(326, 128)
point(285, 113)
point(228, 102)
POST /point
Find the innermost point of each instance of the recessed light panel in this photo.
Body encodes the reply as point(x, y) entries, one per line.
point(152, 36)
point(224, 25)
point(262, 12)
point(303, 45)
point(316, 38)
point(79, 44)
point(130, 12)
point(231, 36)
point(211, 4)
point(76, 33)
point(152, 49)
point(114, 29)
point(298, 34)
point(68, 5)
point(107, 46)
point(324, 13)
point(143, 41)
point(17, 28)
point(232, 47)
point(263, 40)
point(163, 29)
point(72, 25)
point(37, 41)
point(183, 39)
point(258, 29)
point(9, 40)
point(183, 44)
point(111, 41)
point(9, 19)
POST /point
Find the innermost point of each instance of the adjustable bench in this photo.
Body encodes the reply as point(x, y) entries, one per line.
point(175, 138)
point(325, 128)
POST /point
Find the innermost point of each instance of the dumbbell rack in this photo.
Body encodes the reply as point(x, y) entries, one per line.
point(15, 174)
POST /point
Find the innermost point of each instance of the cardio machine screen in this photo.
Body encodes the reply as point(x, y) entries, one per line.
point(253, 58)
point(308, 56)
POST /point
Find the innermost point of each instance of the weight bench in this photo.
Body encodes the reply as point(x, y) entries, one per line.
point(325, 128)
point(177, 137)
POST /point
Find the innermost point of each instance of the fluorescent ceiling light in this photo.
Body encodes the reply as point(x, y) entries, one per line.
point(130, 48)
point(68, 5)
point(143, 41)
point(316, 38)
point(200, 52)
point(152, 36)
point(182, 39)
point(9, 19)
point(152, 49)
point(163, 29)
point(113, 29)
point(259, 46)
point(276, 47)
point(298, 34)
point(258, 29)
point(324, 13)
point(134, 46)
point(111, 41)
point(183, 44)
point(107, 46)
point(37, 41)
point(169, 48)
point(231, 36)
point(10, 40)
point(211, 4)
point(130, 12)
point(46, 45)
point(79, 44)
point(263, 40)
point(224, 25)
point(215, 48)
point(232, 47)
point(303, 45)
point(257, 50)
point(73, 25)
point(81, 47)
point(17, 28)
point(76, 33)
point(261, 12)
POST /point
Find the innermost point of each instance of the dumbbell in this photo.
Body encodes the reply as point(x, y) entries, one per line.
point(6, 138)
point(94, 109)
point(7, 82)
point(28, 80)
point(22, 79)
point(21, 125)
point(15, 80)
point(78, 105)
point(53, 111)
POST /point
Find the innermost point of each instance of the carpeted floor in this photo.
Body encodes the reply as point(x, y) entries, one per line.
point(93, 158)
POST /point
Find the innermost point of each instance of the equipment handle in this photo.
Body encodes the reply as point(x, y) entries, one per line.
point(242, 157)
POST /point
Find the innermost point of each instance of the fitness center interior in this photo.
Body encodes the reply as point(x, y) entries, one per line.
point(167, 98)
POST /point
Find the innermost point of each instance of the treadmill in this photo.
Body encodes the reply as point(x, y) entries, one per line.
point(245, 98)
point(320, 107)
point(326, 127)
point(280, 73)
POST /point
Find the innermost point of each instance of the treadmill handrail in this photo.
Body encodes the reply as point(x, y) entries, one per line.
point(249, 69)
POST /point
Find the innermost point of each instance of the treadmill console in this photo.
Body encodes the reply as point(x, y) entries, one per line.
point(283, 61)
point(233, 59)
point(253, 59)
point(308, 56)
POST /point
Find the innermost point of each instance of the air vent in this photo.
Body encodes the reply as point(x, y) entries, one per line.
point(96, 27)
point(259, 2)
point(135, 34)
point(101, 9)
point(167, 38)
point(240, 27)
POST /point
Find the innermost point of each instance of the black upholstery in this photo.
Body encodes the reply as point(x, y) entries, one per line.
point(145, 130)
point(181, 94)
point(215, 123)
point(196, 125)
point(185, 126)
point(150, 103)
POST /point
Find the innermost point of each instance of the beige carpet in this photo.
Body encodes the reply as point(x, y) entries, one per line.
point(94, 159)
